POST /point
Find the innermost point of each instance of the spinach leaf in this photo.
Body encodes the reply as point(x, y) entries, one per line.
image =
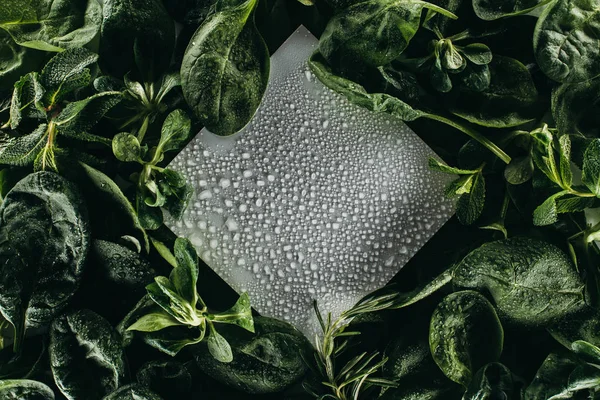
point(44, 243)
point(566, 40)
point(374, 32)
point(494, 9)
point(464, 335)
point(51, 25)
point(132, 392)
point(86, 357)
point(225, 68)
point(532, 282)
point(575, 108)
point(15, 60)
point(169, 379)
point(268, 361)
point(552, 377)
point(510, 100)
point(24, 389)
point(144, 24)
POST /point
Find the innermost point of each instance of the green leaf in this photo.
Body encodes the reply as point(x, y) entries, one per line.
point(26, 99)
point(164, 251)
point(591, 167)
point(519, 170)
point(65, 73)
point(164, 293)
point(44, 240)
point(439, 77)
point(373, 32)
point(86, 356)
point(79, 117)
point(510, 100)
point(575, 108)
point(491, 382)
point(564, 150)
point(25, 389)
point(240, 314)
point(490, 10)
point(355, 93)
point(176, 131)
point(133, 391)
point(225, 69)
point(438, 165)
point(15, 61)
point(532, 282)
point(22, 150)
point(547, 212)
point(587, 352)
point(470, 205)
point(43, 25)
point(185, 276)
point(477, 53)
point(126, 147)
point(153, 322)
point(110, 189)
point(464, 335)
point(566, 41)
point(219, 347)
point(176, 190)
point(412, 297)
point(584, 378)
point(552, 377)
point(150, 218)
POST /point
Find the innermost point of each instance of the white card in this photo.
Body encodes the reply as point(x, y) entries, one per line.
point(316, 198)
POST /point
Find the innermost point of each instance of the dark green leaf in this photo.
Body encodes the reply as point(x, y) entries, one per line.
point(409, 298)
point(374, 32)
point(44, 242)
point(65, 73)
point(26, 99)
point(43, 24)
point(167, 378)
point(185, 275)
point(547, 212)
point(520, 170)
point(149, 217)
point(575, 108)
point(587, 352)
point(439, 77)
point(355, 93)
point(24, 389)
point(15, 61)
point(470, 205)
point(510, 100)
point(464, 335)
point(477, 53)
point(225, 69)
point(86, 356)
point(176, 131)
point(240, 314)
point(268, 361)
point(532, 282)
point(133, 391)
point(126, 147)
point(552, 377)
point(491, 382)
point(438, 165)
point(566, 40)
point(591, 167)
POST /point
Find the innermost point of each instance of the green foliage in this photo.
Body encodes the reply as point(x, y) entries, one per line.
point(225, 68)
point(465, 334)
point(24, 389)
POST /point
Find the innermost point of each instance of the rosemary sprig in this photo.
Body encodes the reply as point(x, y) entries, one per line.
point(348, 381)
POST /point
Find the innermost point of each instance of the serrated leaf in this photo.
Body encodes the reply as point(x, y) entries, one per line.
point(470, 205)
point(23, 150)
point(438, 165)
point(66, 72)
point(547, 212)
point(591, 167)
point(564, 149)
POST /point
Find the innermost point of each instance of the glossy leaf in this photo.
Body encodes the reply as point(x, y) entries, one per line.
point(176, 131)
point(24, 389)
point(566, 40)
point(464, 335)
point(225, 68)
point(219, 347)
point(553, 288)
point(126, 147)
point(490, 10)
point(470, 205)
point(575, 108)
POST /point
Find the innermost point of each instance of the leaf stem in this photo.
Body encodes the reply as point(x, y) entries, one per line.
point(487, 143)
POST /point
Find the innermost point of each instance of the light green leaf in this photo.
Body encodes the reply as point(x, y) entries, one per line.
point(591, 167)
point(240, 314)
point(464, 335)
point(126, 147)
point(153, 322)
point(185, 276)
point(470, 205)
point(176, 131)
point(164, 251)
point(438, 165)
point(219, 347)
point(547, 212)
point(490, 10)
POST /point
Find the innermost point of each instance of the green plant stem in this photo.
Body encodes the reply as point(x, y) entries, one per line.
point(487, 143)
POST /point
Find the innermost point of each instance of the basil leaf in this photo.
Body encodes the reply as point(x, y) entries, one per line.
point(66, 72)
point(374, 32)
point(464, 335)
point(25, 389)
point(44, 242)
point(42, 24)
point(225, 69)
point(566, 40)
point(265, 362)
point(133, 391)
point(532, 282)
point(510, 100)
point(86, 357)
